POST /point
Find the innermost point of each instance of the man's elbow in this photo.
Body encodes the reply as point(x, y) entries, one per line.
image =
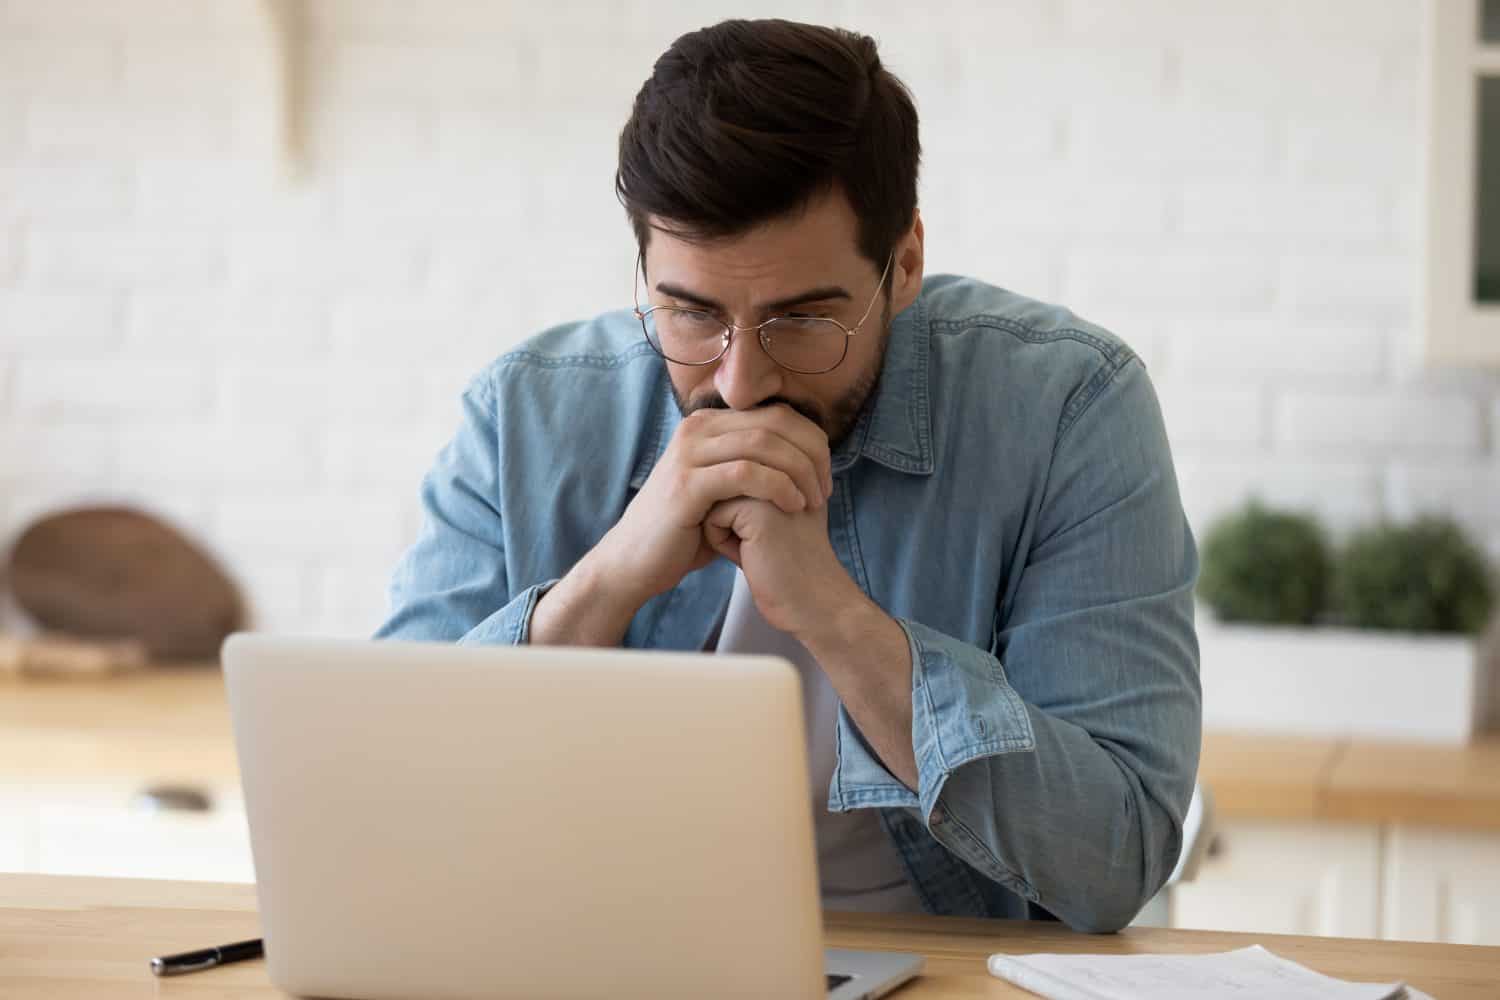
point(1106, 916)
point(1126, 891)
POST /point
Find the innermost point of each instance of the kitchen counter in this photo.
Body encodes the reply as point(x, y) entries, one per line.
point(172, 724)
point(1258, 776)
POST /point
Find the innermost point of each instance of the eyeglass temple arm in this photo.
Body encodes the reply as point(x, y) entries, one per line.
point(635, 281)
point(871, 307)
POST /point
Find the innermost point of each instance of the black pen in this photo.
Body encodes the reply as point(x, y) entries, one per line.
point(207, 958)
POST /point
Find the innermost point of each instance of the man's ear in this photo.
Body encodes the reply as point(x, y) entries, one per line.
point(906, 269)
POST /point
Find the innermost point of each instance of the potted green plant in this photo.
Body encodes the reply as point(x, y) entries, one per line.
point(1425, 576)
point(1265, 566)
point(1378, 637)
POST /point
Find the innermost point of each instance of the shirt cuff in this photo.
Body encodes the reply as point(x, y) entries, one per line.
point(963, 708)
point(511, 624)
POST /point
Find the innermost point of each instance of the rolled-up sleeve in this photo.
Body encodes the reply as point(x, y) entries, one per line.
point(452, 585)
point(1060, 762)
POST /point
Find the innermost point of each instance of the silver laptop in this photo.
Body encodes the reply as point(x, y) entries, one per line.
point(462, 821)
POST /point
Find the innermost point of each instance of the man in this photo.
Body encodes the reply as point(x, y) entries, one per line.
point(951, 507)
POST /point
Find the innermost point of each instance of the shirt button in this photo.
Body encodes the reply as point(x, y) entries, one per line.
point(938, 816)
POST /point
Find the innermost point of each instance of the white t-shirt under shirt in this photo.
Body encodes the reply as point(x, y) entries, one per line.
point(858, 868)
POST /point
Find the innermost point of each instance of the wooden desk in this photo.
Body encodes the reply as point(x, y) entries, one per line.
point(83, 937)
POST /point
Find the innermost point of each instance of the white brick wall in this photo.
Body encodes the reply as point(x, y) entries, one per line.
point(113, 390)
point(1232, 186)
point(1379, 422)
point(62, 324)
point(10, 252)
point(94, 258)
point(1274, 348)
point(280, 326)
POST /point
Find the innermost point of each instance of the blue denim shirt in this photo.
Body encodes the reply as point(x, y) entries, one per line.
point(1007, 495)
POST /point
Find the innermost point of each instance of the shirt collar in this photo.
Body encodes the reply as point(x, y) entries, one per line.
point(894, 428)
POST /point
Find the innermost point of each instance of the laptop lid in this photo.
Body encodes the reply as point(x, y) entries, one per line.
point(453, 821)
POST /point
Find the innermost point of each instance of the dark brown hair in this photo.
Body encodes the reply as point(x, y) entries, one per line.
point(746, 121)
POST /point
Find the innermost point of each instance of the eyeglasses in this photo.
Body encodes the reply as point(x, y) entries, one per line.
point(807, 345)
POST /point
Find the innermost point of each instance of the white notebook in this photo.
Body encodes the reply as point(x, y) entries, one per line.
point(1248, 972)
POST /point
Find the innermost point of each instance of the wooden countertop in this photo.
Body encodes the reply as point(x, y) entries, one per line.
point(86, 937)
point(173, 724)
point(161, 724)
point(1256, 776)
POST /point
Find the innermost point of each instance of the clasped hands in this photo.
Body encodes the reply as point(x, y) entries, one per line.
point(752, 486)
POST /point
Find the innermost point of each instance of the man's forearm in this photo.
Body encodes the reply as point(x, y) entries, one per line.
point(587, 607)
point(867, 658)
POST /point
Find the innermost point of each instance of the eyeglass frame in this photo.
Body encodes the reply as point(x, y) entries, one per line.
point(730, 329)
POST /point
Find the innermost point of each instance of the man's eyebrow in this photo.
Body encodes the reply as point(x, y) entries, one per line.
point(822, 294)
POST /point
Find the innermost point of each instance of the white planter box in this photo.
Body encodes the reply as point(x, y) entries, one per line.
point(1343, 682)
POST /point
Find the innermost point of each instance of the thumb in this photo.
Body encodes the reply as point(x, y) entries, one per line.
point(723, 541)
point(719, 528)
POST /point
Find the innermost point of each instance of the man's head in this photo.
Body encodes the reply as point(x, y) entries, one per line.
point(765, 160)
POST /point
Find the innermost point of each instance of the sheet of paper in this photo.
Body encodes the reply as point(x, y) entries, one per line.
point(1247, 973)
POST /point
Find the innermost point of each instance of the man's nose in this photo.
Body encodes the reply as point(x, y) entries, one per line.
point(746, 375)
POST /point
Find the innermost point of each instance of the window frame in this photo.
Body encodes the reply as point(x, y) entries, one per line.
point(1457, 329)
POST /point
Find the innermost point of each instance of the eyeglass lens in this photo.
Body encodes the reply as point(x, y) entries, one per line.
point(802, 344)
